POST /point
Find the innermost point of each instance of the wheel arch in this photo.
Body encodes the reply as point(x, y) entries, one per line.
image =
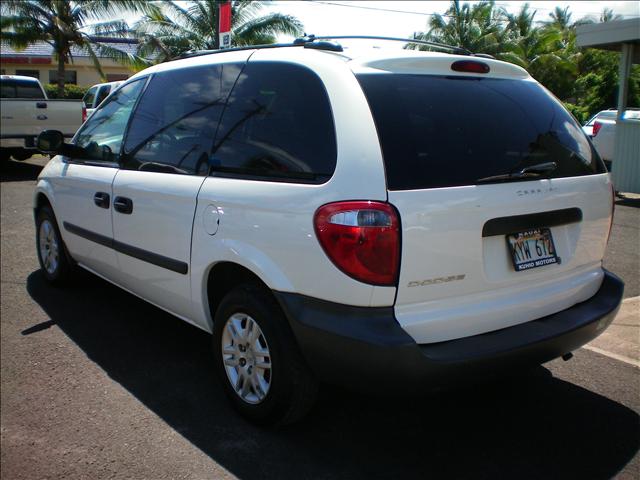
point(221, 278)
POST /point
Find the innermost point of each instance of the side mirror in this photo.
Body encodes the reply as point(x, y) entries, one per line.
point(50, 141)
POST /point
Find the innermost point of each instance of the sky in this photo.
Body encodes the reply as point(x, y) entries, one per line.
point(403, 18)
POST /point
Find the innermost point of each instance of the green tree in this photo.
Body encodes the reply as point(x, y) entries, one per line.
point(173, 30)
point(64, 24)
point(476, 28)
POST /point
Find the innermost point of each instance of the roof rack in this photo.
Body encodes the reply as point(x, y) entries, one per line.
point(320, 43)
point(308, 40)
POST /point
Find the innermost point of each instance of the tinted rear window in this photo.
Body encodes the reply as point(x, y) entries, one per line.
point(440, 131)
point(12, 88)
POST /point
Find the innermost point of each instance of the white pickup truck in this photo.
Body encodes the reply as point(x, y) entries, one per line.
point(601, 128)
point(26, 111)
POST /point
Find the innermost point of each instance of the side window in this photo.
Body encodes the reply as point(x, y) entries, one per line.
point(89, 97)
point(102, 94)
point(278, 124)
point(101, 136)
point(175, 123)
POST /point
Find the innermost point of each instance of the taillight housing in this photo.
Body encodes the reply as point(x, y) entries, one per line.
point(596, 128)
point(84, 113)
point(361, 238)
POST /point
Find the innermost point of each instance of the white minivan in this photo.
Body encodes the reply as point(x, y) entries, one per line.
point(339, 218)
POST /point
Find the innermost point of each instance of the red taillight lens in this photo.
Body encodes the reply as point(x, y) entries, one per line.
point(84, 114)
point(596, 128)
point(470, 66)
point(362, 239)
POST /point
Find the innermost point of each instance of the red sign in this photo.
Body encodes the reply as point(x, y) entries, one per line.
point(225, 17)
point(224, 30)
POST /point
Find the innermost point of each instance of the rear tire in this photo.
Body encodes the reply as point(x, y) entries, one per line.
point(258, 360)
point(52, 253)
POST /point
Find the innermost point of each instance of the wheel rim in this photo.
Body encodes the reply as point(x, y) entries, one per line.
point(48, 247)
point(246, 358)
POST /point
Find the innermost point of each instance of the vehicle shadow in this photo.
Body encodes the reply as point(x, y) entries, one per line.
point(627, 201)
point(536, 427)
point(16, 171)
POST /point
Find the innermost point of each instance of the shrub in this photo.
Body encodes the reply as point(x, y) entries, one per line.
point(581, 114)
point(70, 91)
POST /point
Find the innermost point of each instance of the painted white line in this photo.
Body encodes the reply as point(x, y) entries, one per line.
point(615, 356)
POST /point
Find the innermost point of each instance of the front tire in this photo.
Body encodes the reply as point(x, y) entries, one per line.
point(52, 253)
point(258, 361)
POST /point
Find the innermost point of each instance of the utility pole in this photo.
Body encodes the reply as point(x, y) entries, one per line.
point(224, 25)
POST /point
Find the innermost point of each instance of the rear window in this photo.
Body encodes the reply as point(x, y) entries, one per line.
point(13, 88)
point(102, 94)
point(445, 131)
point(89, 97)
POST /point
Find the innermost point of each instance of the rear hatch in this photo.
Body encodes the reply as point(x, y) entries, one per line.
point(483, 250)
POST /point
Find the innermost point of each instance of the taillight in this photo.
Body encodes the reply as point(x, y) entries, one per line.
point(362, 238)
point(470, 66)
point(596, 128)
point(84, 114)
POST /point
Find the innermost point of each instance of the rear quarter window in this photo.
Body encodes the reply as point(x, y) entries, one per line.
point(277, 126)
point(445, 131)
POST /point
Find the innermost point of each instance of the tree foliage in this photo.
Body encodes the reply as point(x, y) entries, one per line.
point(172, 29)
point(585, 79)
point(65, 24)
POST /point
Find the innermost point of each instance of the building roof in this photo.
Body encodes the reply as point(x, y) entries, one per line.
point(43, 49)
point(611, 35)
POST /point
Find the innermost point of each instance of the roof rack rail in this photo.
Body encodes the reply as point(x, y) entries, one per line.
point(319, 43)
point(309, 39)
point(199, 53)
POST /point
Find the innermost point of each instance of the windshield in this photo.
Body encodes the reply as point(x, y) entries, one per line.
point(444, 131)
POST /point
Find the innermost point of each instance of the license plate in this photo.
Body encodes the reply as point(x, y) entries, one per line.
point(531, 249)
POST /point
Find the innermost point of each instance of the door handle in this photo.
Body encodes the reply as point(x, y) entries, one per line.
point(123, 205)
point(41, 105)
point(101, 199)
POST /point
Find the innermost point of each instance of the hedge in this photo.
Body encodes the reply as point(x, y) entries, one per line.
point(70, 91)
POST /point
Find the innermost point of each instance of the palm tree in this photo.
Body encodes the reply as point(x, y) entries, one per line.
point(560, 19)
point(63, 24)
point(173, 30)
point(476, 28)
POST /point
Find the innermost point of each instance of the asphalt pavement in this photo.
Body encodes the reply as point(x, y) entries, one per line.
point(96, 383)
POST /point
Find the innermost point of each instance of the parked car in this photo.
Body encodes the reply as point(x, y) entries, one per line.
point(26, 111)
point(95, 96)
point(602, 130)
point(356, 220)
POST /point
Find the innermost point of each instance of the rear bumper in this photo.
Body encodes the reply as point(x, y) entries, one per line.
point(366, 349)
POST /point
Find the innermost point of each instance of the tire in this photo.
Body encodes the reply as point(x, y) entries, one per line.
point(278, 395)
point(56, 265)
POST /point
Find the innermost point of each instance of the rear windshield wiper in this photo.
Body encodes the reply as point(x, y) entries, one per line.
point(532, 171)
